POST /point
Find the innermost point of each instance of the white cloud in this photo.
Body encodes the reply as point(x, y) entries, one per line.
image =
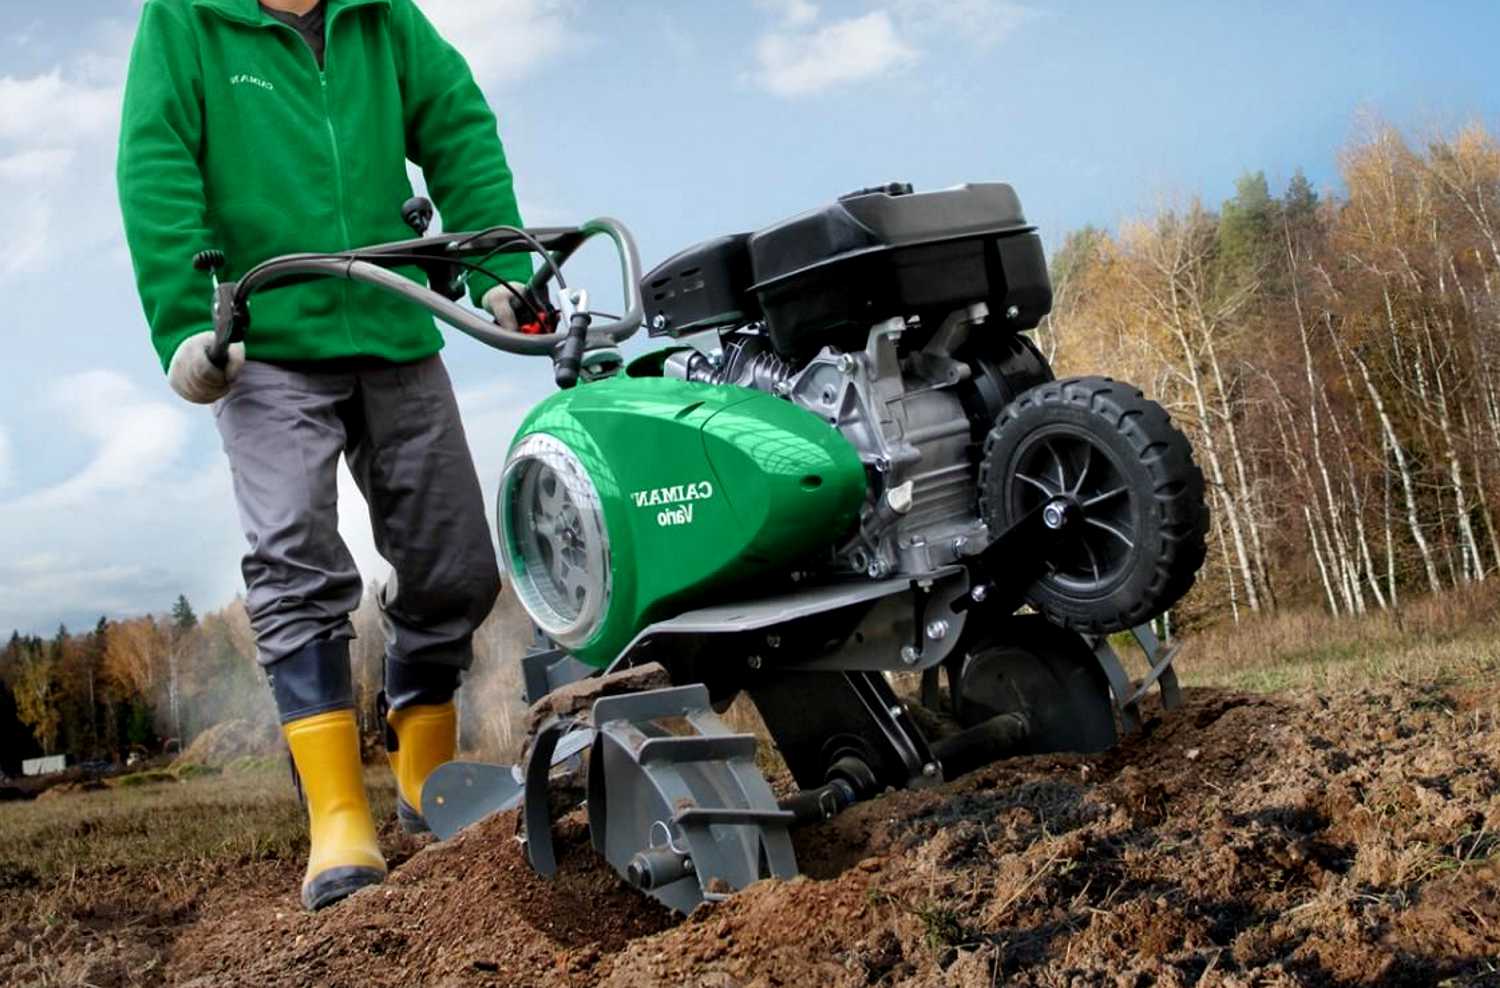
point(792, 13)
point(799, 62)
point(50, 109)
point(57, 134)
point(37, 174)
point(505, 40)
point(982, 23)
point(137, 438)
point(5, 460)
point(132, 527)
point(35, 164)
point(803, 54)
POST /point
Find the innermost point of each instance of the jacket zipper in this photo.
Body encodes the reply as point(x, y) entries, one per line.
point(338, 185)
point(333, 144)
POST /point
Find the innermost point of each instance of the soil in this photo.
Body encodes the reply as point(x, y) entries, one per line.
point(1243, 840)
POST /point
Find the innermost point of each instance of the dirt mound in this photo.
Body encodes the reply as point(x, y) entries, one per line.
point(69, 789)
point(226, 742)
point(468, 911)
point(1244, 840)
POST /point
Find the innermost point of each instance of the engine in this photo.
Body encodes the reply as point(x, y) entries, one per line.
point(915, 413)
point(895, 316)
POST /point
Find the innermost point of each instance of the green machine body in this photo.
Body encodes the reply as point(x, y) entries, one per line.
point(629, 500)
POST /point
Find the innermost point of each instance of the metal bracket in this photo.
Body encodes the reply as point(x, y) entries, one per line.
point(1162, 674)
point(544, 672)
point(889, 621)
point(538, 812)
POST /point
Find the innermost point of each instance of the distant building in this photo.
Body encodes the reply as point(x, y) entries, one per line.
point(44, 766)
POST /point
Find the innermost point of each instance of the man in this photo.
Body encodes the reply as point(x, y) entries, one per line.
point(284, 126)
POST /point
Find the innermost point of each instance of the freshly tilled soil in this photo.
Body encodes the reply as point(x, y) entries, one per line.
point(1244, 840)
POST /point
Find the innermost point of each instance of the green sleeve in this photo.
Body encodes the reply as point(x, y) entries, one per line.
point(160, 184)
point(453, 136)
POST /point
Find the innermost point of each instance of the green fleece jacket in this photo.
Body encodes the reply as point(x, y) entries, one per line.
point(234, 139)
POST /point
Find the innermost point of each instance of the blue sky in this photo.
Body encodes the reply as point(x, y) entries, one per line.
point(686, 119)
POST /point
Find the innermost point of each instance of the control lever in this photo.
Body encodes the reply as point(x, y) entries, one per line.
point(417, 212)
point(211, 262)
point(443, 277)
point(568, 357)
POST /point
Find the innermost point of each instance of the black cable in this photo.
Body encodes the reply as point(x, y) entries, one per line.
point(528, 239)
point(471, 267)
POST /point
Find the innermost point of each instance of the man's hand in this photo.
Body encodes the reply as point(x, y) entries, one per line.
point(502, 303)
point(194, 377)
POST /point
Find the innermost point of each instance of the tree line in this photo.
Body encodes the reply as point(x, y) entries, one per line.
point(145, 683)
point(154, 683)
point(1335, 359)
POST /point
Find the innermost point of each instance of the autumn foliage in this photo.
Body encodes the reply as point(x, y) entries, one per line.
point(1335, 358)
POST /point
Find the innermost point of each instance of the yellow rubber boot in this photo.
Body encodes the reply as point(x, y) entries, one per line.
point(345, 855)
point(425, 737)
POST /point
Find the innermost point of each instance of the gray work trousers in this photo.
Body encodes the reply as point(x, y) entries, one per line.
point(397, 425)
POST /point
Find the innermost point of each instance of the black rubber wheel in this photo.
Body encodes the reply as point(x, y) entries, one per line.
point(1130, 475)
point(1027, 665)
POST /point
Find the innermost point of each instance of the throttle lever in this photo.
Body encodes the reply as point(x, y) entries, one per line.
point(224, 311)
point(568, 357)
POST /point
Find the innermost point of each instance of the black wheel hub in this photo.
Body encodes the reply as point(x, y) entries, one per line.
point(1082, 491)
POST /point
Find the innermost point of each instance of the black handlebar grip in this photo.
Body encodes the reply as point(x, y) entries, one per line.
point(569, 359)
point(231, 320)
point(889, 189)
point(218, 354)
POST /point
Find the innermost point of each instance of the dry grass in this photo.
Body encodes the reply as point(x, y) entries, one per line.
point(166, 830)
point(1451, 636)
point(94, 886)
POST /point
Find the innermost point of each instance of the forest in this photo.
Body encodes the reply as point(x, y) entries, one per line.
point(1334, 355)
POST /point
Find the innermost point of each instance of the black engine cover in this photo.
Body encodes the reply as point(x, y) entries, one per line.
point(832, 272)
point(704, 287)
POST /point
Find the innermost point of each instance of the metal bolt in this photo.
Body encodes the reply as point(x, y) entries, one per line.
point(1014, 312)
point(1055, 515)
point(896, 711)
point(930, 770)
point(846, 363)
point(937, 630)
point(716, 360)
point(755, 661)
point(773, 640)
point(660, 322)
point(882, 464)
point(960, 543)
point(782, 388)
point(828, 395)
point(878, 569)
point(910, 655)
point(979, 593)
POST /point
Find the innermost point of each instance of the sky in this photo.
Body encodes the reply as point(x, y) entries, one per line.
point(685, 119)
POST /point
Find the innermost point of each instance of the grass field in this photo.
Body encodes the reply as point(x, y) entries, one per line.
point(1452, 637)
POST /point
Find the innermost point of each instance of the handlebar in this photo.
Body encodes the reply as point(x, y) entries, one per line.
point(373, 266)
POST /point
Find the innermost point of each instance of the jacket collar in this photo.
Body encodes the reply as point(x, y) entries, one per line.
point(249, 12)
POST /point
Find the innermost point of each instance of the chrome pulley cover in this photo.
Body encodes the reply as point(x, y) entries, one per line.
point(553, 539)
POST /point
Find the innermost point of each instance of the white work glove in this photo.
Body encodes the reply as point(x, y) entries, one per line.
point(501, 303)
point(194, 377)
